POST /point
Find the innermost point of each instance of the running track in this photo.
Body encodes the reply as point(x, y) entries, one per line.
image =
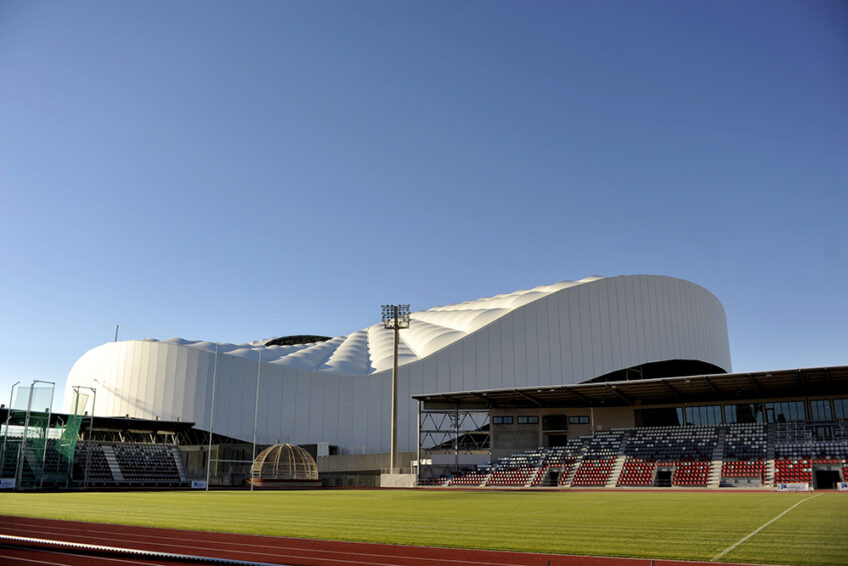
point(251, 548)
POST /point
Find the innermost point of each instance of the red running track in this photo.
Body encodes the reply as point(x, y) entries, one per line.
point(264, 549)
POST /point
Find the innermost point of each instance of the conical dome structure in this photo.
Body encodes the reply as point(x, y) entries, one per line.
point(281, 463)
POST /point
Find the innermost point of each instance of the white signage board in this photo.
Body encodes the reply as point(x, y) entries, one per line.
point(198, 484)
point(793, 487)
point(7, 483)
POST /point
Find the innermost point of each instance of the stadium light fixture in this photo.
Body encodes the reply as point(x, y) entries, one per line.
point(396, 318)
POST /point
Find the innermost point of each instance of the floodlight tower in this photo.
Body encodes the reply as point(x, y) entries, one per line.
point(395, 317)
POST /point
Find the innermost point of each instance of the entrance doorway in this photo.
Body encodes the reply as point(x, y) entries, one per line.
point(557, 440)
point(825, 479)
point(663, 478)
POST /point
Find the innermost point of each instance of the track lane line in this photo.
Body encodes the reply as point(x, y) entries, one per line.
point(284, 551)
point(271, 552)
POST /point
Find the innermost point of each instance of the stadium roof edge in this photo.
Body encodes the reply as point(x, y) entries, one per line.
point(722, 387)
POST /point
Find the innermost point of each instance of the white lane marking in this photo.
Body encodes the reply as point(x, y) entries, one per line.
point(71, 557)
point(743, 539)
point(133, 551)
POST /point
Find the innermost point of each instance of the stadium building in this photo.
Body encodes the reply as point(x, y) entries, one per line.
point(591, 382)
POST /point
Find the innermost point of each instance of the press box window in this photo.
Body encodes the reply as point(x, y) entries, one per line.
point(502, 420)
point(528, 420)
point(554, 422)
point(578, 420)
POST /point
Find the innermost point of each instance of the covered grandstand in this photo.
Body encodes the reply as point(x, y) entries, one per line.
point(747, 430)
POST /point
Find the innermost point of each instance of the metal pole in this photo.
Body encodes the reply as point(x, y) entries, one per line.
point(394, 457)
point(255, 416)
point(116, 333)
point(592, 419)
point(19, 471)
point(6, 429)
point(75, 413)
point(211, 419)
point(418, 442)
point(46, 433)
point(90, 436)
point(456, 437)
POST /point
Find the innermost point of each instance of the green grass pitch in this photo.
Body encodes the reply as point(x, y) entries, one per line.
point(674, 525)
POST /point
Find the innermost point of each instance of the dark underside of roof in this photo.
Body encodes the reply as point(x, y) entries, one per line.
point(295, 340)
point(727, 387)
point(122, 424)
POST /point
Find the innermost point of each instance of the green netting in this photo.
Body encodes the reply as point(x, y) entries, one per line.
point(35, 438)
point(34, 454)
point(29, 426)
point(67, 442)
point(34, 450)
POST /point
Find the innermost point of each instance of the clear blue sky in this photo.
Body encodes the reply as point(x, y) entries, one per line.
point(240, 170)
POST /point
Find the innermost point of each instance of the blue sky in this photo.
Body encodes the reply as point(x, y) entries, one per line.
point(234, 171)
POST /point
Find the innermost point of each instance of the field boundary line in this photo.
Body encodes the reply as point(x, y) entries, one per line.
point(755, 531)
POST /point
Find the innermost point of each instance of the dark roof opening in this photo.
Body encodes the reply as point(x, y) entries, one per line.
point(294, 340)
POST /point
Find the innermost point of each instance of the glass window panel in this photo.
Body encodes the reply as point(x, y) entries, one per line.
point(820, 410)
point(840, 407)
point(786, 411)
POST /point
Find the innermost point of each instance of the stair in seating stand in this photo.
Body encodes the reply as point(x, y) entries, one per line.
point(487, 479)
point(535, 474)
point(618, 465)
point(114, 467)
point(717, 459)
point(770, 468)
point(577, 462)
point(175, 450)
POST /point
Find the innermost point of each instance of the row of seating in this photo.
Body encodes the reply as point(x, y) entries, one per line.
point(744, 469)
point(146, 462)
point(594, 472)
point(691, 474)
point(637, 472)
point(686, 453)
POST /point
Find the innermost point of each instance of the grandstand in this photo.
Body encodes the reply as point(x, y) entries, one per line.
point(675, 457)
point(751, 430)
point(118, 453)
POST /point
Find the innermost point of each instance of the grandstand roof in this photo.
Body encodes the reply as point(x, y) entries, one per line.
point(688, 389)
point(114, 423)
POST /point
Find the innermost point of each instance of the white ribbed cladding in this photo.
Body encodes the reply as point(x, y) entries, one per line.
point(381, 348)
point(371, 350)
point(424, 338)
point(312, 357)
point(466, 320)
point(351, 356)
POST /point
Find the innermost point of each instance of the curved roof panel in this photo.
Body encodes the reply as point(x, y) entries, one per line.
point(370, 350)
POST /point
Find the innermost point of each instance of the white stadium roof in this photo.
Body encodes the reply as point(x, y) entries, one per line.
point(370, 350)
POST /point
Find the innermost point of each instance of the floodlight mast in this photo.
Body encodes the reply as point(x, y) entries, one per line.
point(395, 317)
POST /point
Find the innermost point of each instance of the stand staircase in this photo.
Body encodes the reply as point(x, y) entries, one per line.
point(717, 459)
point(113, 463)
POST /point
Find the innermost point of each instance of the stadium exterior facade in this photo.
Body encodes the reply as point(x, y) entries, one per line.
point(337, 391)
